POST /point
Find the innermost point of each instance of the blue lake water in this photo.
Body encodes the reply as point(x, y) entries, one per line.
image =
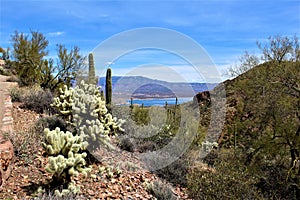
point(160, 101)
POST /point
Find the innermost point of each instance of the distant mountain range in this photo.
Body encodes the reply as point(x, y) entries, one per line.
point(142, 87)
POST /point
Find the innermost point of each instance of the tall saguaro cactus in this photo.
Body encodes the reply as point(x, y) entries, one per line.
point(108, 89)
point(92, 76)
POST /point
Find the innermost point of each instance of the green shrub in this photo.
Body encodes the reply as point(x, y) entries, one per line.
point(140, 115)
point(229, 179)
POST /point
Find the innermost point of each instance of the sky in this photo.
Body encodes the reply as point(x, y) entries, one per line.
point(197, 40)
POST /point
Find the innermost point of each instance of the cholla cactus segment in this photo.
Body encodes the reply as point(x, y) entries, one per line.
point(64, 102)
point(72, 189)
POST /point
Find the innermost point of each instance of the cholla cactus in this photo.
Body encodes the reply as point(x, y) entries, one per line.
point(66, 158)
point(91, 116)
point(84, 109)
point(88, 113)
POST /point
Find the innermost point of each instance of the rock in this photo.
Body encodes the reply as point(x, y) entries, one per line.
point(6, 159)
point(203, 98)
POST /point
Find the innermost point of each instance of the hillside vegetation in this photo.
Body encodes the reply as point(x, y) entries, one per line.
point(260, 143)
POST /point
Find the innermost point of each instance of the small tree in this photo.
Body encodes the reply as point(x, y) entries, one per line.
point(29, 53)
point(280, 48)
point(69, 64)
point(246, 62)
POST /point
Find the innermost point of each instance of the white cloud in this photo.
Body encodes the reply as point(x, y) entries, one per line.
point(54, 34)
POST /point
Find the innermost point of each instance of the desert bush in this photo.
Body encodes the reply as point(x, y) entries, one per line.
point(33, 98)
point(275, 182)
point(229, 179)
point(177, 171)
point(161, 190)
point(140, 115)
point(126, 143)
point(3, 71)
point(38, 100)
point(51, 196)
point(50, 122)
point(16, 94)
point(26, 144)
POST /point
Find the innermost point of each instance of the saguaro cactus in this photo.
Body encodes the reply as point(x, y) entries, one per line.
point(92, 77)
point(108, 89)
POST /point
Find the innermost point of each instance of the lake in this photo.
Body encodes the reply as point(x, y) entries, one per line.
point(160, 101)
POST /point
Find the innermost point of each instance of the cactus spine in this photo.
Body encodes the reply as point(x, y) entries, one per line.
point(108, 89)
point(92, 77)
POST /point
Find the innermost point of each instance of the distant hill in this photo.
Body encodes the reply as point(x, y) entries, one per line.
point(142, 87)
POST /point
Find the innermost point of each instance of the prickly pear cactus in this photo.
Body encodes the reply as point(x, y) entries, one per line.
point(66, 159)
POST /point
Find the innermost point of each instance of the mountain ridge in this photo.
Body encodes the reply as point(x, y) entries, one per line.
point(143, 87)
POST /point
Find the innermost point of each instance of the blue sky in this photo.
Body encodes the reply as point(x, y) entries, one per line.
point(225, 29)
